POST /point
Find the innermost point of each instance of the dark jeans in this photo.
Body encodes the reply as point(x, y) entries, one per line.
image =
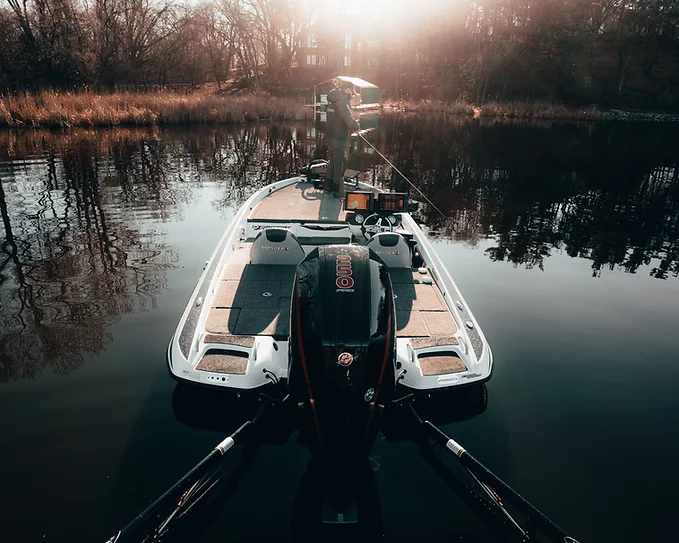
point(334, 176)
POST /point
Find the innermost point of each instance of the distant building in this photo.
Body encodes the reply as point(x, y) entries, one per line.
point(343, 43)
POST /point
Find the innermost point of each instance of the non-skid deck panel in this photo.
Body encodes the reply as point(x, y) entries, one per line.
point(405, 275)
point(251, 300)
point(441, 365)
point(433, 341)
point(473, 333)
point(419, 297)
point(420, 310)
point(424, 324)
point(189, 329)
point(299, 202)
point(239, 341)
point(224, 363)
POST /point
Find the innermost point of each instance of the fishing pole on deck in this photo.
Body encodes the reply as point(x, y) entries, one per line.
point(360, 135)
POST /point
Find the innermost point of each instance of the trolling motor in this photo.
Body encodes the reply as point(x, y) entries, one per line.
point(315, 171)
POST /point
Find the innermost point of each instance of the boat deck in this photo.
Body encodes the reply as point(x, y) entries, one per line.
point(299, 202)
point(254, 300)
point(251, 300)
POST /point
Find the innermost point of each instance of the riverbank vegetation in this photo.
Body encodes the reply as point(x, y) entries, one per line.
point(67, 109)
point(55, 109)
point(506, 110)
point(51, 109)
point(611, 53)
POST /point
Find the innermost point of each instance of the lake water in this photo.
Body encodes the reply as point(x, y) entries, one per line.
point(564, 239)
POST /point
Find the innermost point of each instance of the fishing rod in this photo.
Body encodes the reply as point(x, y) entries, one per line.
point(204, 466)
point(487, 480)
point(360, 134)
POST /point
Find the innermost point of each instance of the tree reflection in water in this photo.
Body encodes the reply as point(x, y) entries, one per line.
point(80, 248)
point(608, 193)
point(80, 210)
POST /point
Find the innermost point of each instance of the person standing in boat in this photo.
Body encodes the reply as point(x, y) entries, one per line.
point(341, 124)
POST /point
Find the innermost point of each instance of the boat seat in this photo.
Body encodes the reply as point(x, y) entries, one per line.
point(277, 246)
point(392, 248)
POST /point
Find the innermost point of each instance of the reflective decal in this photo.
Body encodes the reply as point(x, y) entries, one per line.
point(267, 226)
point(345, 359)
point(343, 267)
point(369, 395)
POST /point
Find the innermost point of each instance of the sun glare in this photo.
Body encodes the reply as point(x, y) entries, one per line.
point(388, 9)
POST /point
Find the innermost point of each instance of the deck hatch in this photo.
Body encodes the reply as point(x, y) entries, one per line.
point(440, 363)
point(224, 361)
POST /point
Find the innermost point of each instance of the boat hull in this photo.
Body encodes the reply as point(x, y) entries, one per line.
point(234, 332)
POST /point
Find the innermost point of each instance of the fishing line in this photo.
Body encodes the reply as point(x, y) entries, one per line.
point(401, 174)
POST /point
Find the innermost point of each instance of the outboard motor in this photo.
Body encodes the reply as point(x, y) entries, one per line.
point(342, 347)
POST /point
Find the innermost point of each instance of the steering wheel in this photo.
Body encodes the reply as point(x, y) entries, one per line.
point(374, 224)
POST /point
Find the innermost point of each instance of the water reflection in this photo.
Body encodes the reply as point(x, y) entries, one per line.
point(607, 193)
point(81, 211)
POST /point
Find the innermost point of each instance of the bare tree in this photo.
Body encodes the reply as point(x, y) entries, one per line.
point(218, 40)
point(53, 39)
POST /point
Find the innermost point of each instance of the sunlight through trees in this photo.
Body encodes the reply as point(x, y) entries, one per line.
point(607, 52)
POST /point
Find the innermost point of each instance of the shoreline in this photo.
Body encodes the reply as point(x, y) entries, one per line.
point(68, 110)
point(529, 111)
point(49, 109)
point(638, 116)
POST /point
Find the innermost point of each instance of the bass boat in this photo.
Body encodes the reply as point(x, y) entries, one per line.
point(304, 282)
point(340, 320)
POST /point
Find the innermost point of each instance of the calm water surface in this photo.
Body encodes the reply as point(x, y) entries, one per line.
point(564, 240)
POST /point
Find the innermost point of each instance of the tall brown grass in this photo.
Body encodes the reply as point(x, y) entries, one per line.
point(537, 110)
point(505, 110)
point(431, 107)
point(53, 109)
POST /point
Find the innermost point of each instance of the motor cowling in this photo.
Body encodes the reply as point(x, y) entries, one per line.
point(342, 345)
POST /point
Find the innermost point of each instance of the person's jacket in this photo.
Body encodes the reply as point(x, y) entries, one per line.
point(341, 122)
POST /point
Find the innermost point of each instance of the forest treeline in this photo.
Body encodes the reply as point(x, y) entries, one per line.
point(610, 52)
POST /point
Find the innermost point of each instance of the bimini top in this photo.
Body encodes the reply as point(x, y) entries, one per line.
point(358, 82)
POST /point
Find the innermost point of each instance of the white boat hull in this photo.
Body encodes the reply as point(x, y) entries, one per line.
point(216, 352)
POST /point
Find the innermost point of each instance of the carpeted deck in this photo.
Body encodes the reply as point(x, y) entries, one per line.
point(421, 311)
point(223, 363)
point(251, 300)
point(299, 202)
point(441, 365)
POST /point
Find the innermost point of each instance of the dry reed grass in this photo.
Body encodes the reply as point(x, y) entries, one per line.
point(506, 110)
point(538, 110)
point(431, 107)
point(53, 109)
